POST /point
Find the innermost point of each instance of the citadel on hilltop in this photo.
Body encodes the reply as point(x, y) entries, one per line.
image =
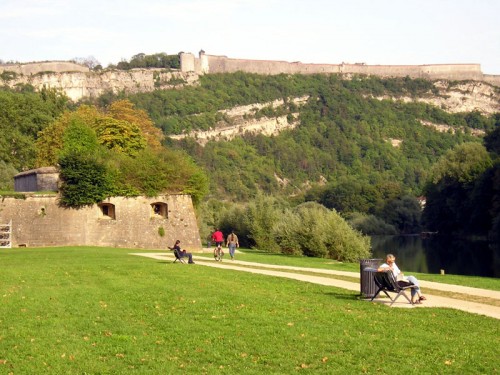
point(206, 64)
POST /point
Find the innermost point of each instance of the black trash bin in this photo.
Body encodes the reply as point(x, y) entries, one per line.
point(366, 269)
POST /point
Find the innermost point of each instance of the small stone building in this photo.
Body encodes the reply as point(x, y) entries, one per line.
point(41, 179)
point(129, 222)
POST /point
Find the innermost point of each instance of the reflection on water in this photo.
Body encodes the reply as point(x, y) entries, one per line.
point(430, 255)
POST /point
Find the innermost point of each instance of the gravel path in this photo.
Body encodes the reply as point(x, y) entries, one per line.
point(281, 271)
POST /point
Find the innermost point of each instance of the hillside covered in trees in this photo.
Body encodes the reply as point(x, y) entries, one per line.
point(365, 157)
point(355, 146)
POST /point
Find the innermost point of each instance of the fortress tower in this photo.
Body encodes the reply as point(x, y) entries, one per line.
point(189, 63)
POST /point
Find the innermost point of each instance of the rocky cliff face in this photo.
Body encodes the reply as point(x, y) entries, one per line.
point(79, 85)
point(242, 120)
point(466, 96)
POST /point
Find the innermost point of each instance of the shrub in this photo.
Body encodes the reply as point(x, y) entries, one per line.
point(314, 230)
point(84, 180)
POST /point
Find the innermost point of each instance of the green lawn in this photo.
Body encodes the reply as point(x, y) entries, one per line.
point(102, 311)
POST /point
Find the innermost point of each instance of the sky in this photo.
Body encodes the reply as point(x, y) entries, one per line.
point(393, 32)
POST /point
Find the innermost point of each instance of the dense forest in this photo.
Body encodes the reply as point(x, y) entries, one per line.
point(339, 157)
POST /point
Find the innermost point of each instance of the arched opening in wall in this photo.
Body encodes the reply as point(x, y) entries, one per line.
point(159, 210)
point(108, 211)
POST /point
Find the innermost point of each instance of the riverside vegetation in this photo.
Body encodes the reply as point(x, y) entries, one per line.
point(89, 310)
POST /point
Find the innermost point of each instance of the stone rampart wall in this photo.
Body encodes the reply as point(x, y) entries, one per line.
point(48, 66)
point(39, 221)
point(222, 64)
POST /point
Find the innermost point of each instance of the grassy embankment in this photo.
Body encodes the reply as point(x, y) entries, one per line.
point(101, 310)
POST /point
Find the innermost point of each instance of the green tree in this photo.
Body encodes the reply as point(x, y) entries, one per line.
point(462, 164)
point(51, 140)
point(119, 135)
point(7, 173)
point(403, 213)
point(84, 180)
point(261, 215)
point(79, 138)
point(460, 191)
point(124, 110)
point(22, 116)
point(492, 138)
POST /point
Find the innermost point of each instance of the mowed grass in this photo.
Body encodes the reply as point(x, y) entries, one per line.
point(102, 311)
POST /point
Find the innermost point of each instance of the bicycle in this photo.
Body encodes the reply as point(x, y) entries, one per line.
point(218, 253)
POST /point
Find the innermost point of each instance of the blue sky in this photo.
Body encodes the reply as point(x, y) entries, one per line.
point(314, 31)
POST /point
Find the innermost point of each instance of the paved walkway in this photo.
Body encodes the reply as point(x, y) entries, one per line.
point(280, 271)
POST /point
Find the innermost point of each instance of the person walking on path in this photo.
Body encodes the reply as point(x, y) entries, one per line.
point(232, 243)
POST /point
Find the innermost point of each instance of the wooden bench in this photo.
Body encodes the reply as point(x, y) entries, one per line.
point(386, 282)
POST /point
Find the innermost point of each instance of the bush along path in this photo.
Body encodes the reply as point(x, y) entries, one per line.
point(464, 298)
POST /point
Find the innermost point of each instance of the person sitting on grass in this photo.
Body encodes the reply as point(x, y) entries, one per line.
point(390, 264)
point(182, 253)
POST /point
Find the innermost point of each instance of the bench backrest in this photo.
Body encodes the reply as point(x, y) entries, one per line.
point(386, 280)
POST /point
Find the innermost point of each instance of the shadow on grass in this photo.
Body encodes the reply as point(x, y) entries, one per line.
point(344, 296)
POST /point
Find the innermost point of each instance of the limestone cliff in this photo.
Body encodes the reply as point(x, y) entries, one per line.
point(79, 85)
point(465, 96)
point(241, 120)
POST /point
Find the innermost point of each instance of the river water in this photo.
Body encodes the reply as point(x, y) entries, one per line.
point(436, 253)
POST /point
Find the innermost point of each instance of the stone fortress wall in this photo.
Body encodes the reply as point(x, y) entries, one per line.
point(46, 66)
point(38, 220)
point(206, 64)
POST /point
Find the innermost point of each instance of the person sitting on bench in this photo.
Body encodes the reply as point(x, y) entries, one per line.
point(390, 264)
point(182, 253)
